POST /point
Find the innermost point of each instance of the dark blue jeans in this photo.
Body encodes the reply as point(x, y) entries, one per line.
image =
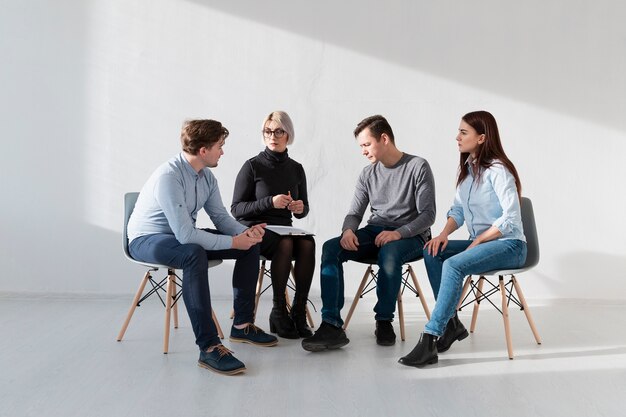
point(193, 260)
point(390, 258)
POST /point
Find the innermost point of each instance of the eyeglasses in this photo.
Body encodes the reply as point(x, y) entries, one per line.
point(278, 133)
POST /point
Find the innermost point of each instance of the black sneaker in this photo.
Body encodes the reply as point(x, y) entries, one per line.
point(221, 360)
point(385, 336)
point(327, 336)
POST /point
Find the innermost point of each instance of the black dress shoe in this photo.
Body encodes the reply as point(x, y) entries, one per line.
point(385, 336)
point(454, 331)
point(424, 353)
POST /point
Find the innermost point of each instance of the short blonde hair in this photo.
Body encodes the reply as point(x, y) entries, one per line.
point(284, 121)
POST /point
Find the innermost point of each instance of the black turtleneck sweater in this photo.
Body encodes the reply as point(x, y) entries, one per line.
point(262, 177)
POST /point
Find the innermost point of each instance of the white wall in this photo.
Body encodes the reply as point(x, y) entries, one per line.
point(93, 93)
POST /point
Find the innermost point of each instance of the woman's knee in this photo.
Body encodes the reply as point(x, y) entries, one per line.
point(454, 267)
point(285, 246)
point(304, 248)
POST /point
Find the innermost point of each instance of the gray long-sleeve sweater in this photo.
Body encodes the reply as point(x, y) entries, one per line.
point(401, 196)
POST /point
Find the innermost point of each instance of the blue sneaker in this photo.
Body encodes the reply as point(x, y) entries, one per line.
point(221, 360)
point(253, 335)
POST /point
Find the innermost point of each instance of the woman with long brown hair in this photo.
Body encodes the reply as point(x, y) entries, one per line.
point(488, 201)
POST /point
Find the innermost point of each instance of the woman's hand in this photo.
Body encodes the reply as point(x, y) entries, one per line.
point(437, 244)
point(281, 201)
point(296, 206)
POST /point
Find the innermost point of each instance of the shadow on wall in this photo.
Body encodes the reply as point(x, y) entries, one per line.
point(528, 52)
point(600, 275)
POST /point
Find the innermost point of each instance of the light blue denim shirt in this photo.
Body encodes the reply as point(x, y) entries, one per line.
point(491, 201)
point(169, 203)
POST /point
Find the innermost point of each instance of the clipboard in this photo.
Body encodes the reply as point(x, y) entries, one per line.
point(288, 231)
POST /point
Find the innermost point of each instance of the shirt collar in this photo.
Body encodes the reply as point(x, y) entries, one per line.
point(189, 168)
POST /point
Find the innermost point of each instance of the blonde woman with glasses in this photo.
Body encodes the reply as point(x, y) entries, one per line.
point(271, 188)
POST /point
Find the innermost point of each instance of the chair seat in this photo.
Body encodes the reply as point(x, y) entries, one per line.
point(212, 263)
point(374, 261)
point(505, 272)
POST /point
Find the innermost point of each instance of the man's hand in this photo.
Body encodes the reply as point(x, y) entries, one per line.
point(386, 237)
point(245, 242)
point(349, 241)
point(258, 230)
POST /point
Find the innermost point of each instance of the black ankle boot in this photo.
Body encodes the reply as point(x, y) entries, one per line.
point(424, 353)
point(454, 331)
point(298, 315)
point(280, 322)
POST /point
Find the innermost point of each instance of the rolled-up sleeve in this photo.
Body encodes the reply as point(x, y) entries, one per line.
point(456, 211)
point(504, 186)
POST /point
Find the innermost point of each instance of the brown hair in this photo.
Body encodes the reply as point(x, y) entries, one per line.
point(490, 150)
point(197, 134)
point(377, 125)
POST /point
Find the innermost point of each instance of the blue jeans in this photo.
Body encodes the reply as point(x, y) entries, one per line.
point(447, 270)
point(193, 260)
point(391, 257)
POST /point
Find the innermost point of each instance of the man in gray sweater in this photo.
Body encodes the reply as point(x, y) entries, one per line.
point(401, 192)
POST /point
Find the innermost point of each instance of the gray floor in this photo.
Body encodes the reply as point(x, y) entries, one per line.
point(60, 358)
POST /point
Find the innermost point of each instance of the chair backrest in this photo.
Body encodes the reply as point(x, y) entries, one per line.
point(129, 205)
point(530, 231)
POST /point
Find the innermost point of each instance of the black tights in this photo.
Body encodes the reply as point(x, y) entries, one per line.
point(302, 251)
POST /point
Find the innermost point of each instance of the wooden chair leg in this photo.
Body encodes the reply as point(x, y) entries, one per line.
point(505, 317)
point(529, 317)
point(259, 287)
point(217, 324)
point(481, 281)
point(175, 306)
point(131, 310)
point(401, 315)
point(309, 317)
point(168, 311)
point(419, 292)
point(368, 271)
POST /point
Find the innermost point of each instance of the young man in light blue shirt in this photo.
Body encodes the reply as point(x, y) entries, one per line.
point(162, 229)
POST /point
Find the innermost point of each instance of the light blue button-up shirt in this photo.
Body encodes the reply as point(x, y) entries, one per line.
point(169, 203)
point(490, 201)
